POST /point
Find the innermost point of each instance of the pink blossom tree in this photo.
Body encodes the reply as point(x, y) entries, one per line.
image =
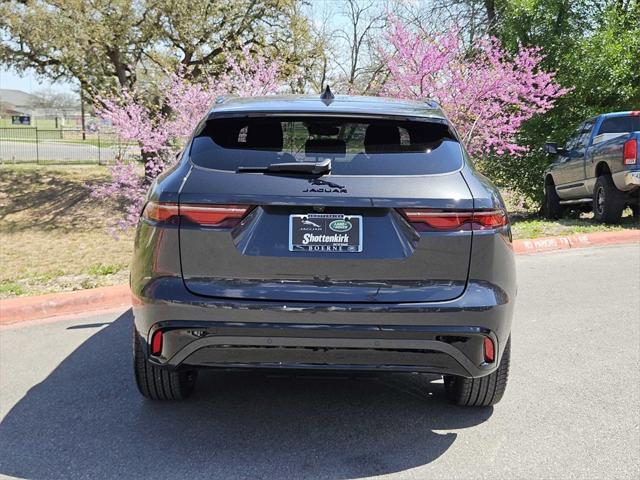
point(486, 92)
point(161, 132)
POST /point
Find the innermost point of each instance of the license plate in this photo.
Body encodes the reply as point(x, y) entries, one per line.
point(325, 232)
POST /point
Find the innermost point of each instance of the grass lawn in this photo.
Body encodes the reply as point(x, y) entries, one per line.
point(69, 137)
point(53, 235)
point(530, 226)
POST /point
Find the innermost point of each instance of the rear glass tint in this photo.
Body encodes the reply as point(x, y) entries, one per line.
point(356, 146)
point(620, 125)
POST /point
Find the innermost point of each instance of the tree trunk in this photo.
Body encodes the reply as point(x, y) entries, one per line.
point(490, 7)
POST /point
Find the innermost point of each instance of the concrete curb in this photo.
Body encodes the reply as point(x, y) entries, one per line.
point(17, 310)
point(547, 244)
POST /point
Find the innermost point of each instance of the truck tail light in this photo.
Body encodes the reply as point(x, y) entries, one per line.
point(630, 152)
point(425, 219)
point(221, 216)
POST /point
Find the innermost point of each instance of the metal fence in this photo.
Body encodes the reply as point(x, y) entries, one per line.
point(60, 145)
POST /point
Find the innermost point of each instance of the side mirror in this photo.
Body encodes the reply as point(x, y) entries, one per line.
point(551, 148)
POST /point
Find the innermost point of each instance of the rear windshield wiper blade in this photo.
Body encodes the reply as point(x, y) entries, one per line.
point(314, 168)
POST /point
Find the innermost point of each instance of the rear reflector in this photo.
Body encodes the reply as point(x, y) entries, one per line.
point(425, 219)
point(223, 216)
point(630, 152)
point(489, 352)
point(156, 343)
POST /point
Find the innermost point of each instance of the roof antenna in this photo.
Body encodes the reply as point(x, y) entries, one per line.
point(327, 96)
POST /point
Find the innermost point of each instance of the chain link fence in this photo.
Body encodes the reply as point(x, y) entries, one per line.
point(62, 145)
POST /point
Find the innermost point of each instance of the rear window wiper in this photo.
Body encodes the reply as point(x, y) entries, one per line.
point(314, 168)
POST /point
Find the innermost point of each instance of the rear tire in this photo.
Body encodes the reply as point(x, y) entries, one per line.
point(159, 383)
point(483, 391)
point(608, 201)
point(552, 209)
point(635, 210)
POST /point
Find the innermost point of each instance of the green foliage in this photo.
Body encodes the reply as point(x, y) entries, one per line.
point(535, 227)
point(108, 45)
point(101, 269)
point(594, 48)
point(11, 288)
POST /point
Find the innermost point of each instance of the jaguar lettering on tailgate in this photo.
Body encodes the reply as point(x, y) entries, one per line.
point(323, 186)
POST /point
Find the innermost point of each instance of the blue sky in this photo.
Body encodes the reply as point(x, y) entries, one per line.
point(29, 82)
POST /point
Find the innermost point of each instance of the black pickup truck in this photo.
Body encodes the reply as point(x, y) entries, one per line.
point(598, 168)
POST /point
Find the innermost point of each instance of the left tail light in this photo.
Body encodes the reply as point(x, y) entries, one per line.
point(221, 216)
point(161, 212)
point(426, 219)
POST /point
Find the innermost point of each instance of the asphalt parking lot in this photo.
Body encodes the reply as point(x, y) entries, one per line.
point(69, 408)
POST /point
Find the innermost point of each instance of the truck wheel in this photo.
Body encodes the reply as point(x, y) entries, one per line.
point(552, 208)
point(483, 391)
point(158, 383)
point(635, 210)
point(608, 201)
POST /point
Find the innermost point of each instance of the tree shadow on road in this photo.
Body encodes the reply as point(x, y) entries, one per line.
point(87, 420)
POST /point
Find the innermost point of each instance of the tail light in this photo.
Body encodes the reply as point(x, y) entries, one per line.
point(161, 212)
point(426, 219)
point(630, 152)
point(221, 216)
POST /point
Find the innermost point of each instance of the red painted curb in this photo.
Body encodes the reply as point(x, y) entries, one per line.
point(547, 244)
point(23, 309)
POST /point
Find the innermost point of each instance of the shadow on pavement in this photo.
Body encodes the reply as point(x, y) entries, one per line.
point(86, 419)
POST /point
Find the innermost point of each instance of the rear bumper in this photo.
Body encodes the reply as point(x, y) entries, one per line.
point(437, 337)
point(627, 180)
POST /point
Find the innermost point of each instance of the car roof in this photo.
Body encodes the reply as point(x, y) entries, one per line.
point(340, 105)
point(632, 113)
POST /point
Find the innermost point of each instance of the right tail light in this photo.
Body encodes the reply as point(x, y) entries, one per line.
point(427, 219)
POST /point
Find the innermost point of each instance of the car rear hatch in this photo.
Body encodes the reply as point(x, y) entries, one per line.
point(382, 226)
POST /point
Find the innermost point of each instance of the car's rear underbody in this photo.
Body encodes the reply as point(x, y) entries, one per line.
point(438, 337)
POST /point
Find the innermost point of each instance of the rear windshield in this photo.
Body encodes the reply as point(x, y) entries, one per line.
point(620, 124)
point(355, 146)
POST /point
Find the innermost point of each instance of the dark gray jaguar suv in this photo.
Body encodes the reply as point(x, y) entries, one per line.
point(322, 232)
